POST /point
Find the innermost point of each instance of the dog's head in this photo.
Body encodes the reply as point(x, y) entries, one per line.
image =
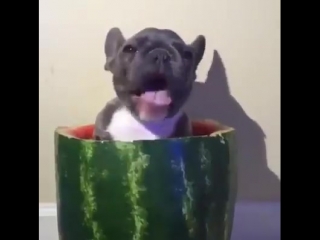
point(153, 71)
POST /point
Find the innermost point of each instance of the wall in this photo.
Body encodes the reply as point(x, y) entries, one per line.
point(240, 80)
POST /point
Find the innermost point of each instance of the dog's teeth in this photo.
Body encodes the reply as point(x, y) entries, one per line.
point(162, 97)
point(157, 97)
point(149, 96)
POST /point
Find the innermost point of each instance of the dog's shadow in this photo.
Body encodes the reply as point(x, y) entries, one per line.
point(213, 100)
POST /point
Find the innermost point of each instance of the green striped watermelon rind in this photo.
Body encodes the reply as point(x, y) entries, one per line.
point(83, 176)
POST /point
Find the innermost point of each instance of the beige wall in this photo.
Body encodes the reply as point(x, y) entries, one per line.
point(246, 35)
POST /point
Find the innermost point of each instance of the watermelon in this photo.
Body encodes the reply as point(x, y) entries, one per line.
point(171, 189)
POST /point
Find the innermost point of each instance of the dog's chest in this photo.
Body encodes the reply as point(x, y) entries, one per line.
point(124, 127)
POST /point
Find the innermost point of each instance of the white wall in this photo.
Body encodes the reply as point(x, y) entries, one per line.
point(246, 34)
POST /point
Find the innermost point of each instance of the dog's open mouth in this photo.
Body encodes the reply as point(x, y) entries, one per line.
point(154, 91)
point(153, 99)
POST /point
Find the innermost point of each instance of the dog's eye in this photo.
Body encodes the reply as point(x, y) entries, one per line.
point(187, 55)
point(129, 49)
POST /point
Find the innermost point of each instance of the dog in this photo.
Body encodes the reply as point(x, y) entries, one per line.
point(153, 74)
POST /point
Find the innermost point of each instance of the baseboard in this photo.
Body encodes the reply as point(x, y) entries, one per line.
point(47, 209)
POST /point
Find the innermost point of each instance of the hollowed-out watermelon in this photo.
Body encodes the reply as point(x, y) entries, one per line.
point(172, 189)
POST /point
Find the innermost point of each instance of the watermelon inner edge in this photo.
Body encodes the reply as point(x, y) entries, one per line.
point(199, 128)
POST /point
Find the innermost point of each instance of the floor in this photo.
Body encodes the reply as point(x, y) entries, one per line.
point(253, 221)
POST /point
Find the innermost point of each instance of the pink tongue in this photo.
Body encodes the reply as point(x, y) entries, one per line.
point(157, 97)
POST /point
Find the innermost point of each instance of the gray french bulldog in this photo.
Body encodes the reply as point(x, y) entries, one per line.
point(153, 73)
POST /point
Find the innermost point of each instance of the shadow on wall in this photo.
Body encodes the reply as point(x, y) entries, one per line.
point(213, 100)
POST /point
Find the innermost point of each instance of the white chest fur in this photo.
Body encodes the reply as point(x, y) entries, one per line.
point(124, 127)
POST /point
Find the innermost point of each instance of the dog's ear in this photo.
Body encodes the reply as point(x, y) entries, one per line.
point(114, 41)
point(199, 45)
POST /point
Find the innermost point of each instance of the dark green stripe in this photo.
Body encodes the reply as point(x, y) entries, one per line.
point(159, 196)
point(112, 193)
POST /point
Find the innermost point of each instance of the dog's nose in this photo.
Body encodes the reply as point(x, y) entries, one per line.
point(159, 55)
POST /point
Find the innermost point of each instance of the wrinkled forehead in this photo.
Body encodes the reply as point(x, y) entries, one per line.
point(153, 35)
